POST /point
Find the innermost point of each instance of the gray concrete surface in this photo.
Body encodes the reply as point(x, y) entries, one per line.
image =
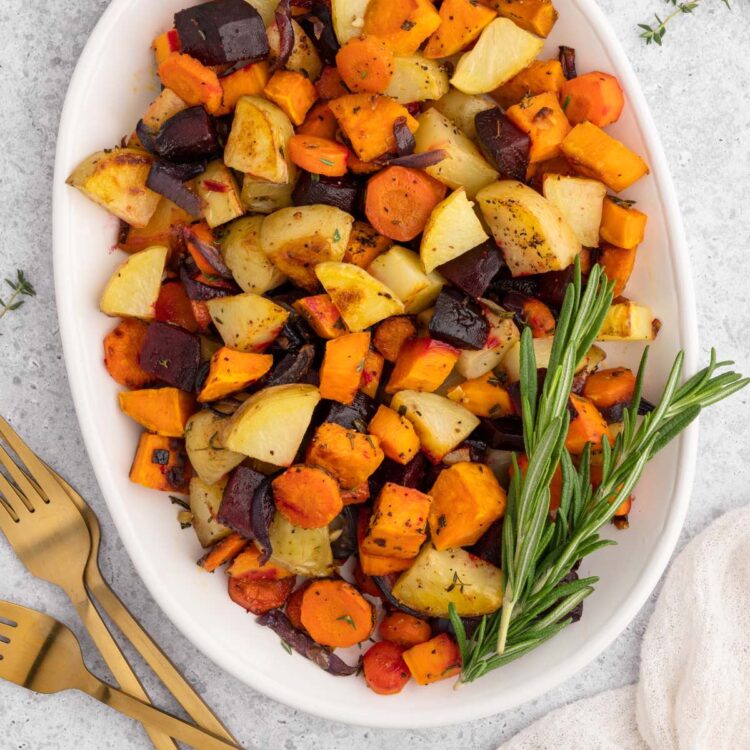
point(697, 87)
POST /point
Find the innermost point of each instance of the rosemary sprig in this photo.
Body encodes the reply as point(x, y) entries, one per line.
point(655, 32)
point(539, 553)
point(21, 287)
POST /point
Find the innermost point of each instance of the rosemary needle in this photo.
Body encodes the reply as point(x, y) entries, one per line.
point(538, 552)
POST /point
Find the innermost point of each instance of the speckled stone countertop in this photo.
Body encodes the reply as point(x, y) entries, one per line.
point(697, 88)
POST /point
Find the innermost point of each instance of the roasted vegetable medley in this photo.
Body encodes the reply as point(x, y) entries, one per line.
point(338, 217)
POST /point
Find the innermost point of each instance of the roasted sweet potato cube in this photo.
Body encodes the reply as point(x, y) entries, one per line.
point(322, 315)
point(485, 396)
point(164, 411)
point(398, 439)
point(307, 496)
point(161, 463)
point(466, 500)
point(350, 456)
point(535, 16)
point(376, 565)
point(436, 659)
point(248, 565)
point(343, 363)
point(371, 373)
point(594, 153)
point(622, 225)
point(543, 120)
point(365, 244)
point(587, 426)
point(222, 552)
point(423, 365)
point(231, 371)
point(292, 92)
point(398, 525)
point(392, 334)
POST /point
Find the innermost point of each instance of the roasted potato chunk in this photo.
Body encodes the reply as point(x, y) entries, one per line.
point(116, 179)
point(297, 239)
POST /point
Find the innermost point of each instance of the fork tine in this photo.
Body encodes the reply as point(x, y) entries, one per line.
point(36, 468)
point(29, 492)
point(7, 494)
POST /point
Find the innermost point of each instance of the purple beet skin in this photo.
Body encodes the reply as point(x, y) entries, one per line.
point(458, 320)
point(222, 31)
point(172, 355)
point(473, 271)
point(237, 504)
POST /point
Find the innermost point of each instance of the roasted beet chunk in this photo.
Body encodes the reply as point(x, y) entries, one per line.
point(504, 434)
point(188, 136)
point(341, 192)
point(293, 367)
point(171, 354)
point(505, 145)
point(352, 416)
point(222, 31)
point(407, 475)
point(458, 320)
point(473, 271)
point(236, 506)
point(551, 287)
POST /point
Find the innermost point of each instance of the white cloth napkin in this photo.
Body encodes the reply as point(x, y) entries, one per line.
point(694, 687)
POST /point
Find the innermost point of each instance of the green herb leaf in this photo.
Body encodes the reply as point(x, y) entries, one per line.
point(21, 287)
point(348, 620)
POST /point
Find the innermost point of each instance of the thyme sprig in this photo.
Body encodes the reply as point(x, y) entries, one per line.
point(655, 32)
point(539, 553)
point(21, 287)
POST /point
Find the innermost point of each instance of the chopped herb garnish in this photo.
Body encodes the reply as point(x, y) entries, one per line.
point(348, 620)
point(285, 646)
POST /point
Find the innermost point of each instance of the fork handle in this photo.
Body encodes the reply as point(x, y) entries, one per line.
point(115, 659)
point(160, 721)
point(153, 655)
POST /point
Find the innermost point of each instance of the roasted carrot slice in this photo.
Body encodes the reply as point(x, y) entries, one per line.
point(399, 201)
point(335, 614)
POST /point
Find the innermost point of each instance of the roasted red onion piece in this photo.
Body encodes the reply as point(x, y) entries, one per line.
point(567, 58)
point(167, 180)
point(283, 18)
point(306, 646)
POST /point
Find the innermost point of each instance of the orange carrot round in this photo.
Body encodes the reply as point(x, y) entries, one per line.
point(318, 155)
point(404, 629)
point(335, 614)
point(384, 667)
point(259, 596)
point(400, 200)
point(366, 64)
point(307, 497)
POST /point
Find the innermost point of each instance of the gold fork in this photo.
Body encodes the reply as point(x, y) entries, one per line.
point(42, 654)
point(132, 630)
point(51, 539)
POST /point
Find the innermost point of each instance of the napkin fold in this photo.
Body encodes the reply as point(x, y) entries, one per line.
point(694, 687)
